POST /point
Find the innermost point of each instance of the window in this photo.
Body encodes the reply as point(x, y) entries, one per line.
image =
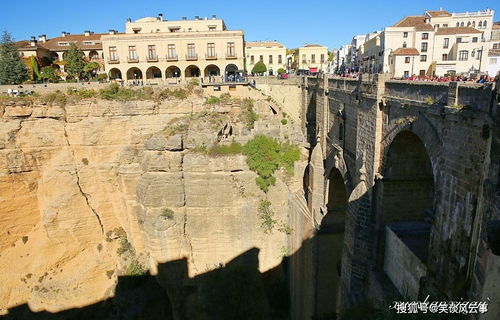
point(171, 51)
point(231, 51)
point(463, 55)
point(322, 58)
point(458, 24)
point(421, 73)
point(496, 45)
point(436, 26)
point(480, 24)
point(407, 59)
point(404, 44)
point(191, 50)
point(468, 24)
point(461, 24)
point(304, 58)
point(261, 58)
point(405, 34)
point(474, 39)
point(479, 54)
point(132, 53)
point(446, 43)
point(484, 24)
point(151, 51)
point(280, 60)
point(425, 36)
point(252, 59)
point(473, 24)
point(445, 25)
point(270, 59)
point(493, 60)
point(423, 47)
point(313, 58)
point(88, 43)
point(211, 28)
point(423, 57)
point(444, 57)
point(63, 44)
point(459, 40)
point(112, 54)
point(211, 50)
point(407, 74)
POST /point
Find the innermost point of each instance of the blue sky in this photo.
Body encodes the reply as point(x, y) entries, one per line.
point(331, 23)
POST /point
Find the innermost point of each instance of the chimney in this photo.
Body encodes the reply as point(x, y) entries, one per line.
point(112, 31)
point(184, 18)
point(160, 16)
point(196, 17)
point(42, 38)
point(214, 17)
point(129, 20)
point(33, 42)
point(64, 34)
point(87, 33)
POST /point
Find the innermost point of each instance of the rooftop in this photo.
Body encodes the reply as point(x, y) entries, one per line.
point(418, 22)
point(456, 30)
point(438, 13)
point(406, 52)
point(251, 44)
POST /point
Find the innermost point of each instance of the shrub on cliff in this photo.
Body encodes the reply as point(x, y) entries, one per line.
point(248, 115)
point(265, 155)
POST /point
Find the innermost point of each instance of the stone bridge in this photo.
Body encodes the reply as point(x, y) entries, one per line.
point(402, 189)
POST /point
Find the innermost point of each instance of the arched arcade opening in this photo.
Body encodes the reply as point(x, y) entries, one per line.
point(134, 74)
point(172, 72)
point(192, 71)
point(153, 73)
point(115, 74)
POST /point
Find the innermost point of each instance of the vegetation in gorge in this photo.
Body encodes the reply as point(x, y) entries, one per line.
point(266, 215)
point(265, 155)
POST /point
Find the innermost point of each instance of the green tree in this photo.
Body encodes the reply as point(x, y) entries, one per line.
point(281, 71)
point(90, 68)
point(12, 69)
point(48, 73)
point(35, 68)
point(74, 63)
point(259, 68)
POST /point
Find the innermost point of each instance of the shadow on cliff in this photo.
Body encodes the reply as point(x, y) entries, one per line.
point(236, 290)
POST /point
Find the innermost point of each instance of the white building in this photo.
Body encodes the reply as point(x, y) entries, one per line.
point(431, 44)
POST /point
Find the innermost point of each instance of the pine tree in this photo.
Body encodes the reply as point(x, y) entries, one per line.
point(12, 69)
point(74, 61)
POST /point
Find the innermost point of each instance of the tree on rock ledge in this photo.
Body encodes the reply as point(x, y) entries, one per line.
point(12, 69)
point(259, 68)
point(74, 61)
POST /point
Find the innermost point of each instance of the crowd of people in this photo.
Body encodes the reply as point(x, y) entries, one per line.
point(449, 78)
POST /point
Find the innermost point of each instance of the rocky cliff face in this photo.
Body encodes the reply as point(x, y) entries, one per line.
point(73, 178)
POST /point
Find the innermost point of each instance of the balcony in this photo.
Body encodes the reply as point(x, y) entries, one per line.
point(191, 57)
point(231, 55)
point(211, 56)
point(114, 60)
point(152, 58)
point(172, 57)
point(132, 59)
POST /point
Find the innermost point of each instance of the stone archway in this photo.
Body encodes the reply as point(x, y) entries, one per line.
point(405, 211)
point(329, 246)
point(172, 72)
point(231, 72)
point(212, 70)
point(93, 55)
point(153, 73)
point(115, 74)
point(192, 71)
point(134, 74)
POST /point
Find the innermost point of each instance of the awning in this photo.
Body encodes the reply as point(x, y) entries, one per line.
point(313, 69)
